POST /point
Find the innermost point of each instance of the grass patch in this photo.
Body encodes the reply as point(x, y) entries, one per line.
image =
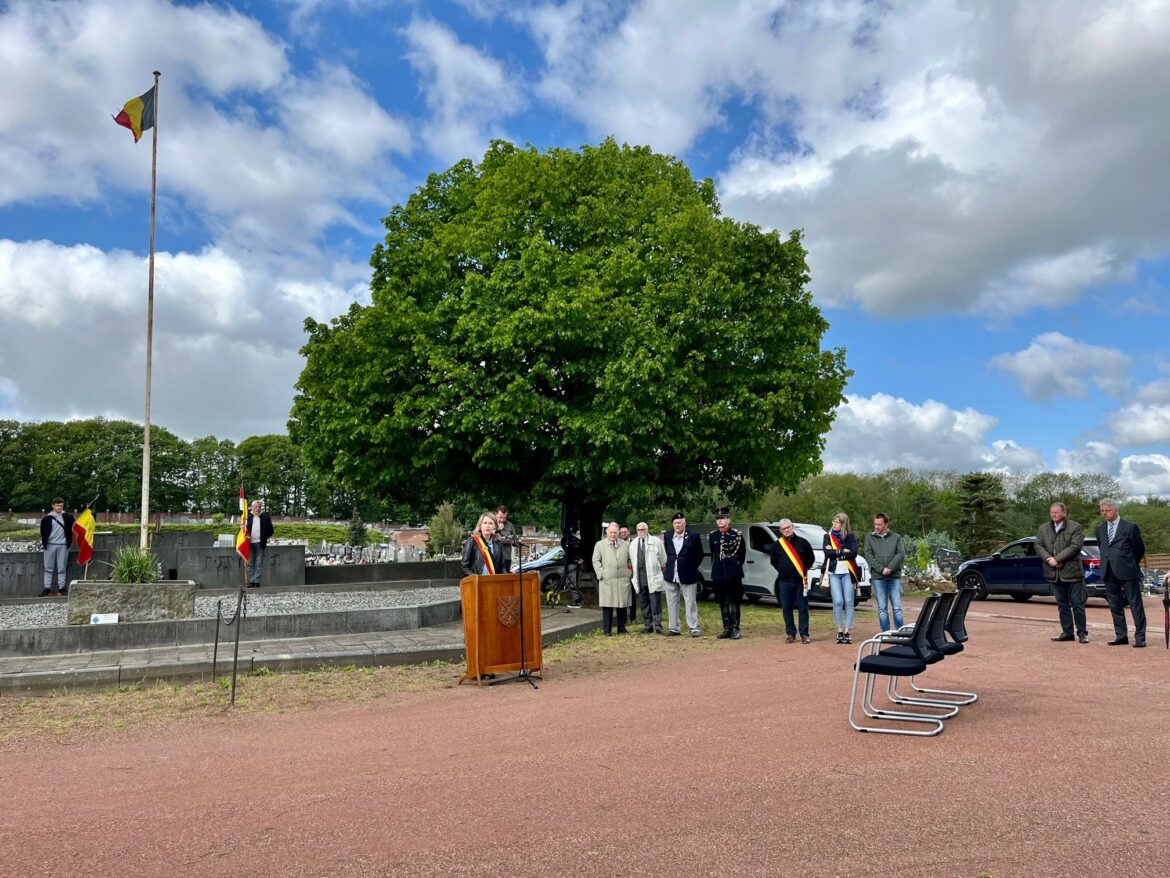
point(153, 705)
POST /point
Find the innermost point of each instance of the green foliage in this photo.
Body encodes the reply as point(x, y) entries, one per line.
point(527, 314)
point(982, 506)
point(355, 533)
point(445, 533)
point(134, 565)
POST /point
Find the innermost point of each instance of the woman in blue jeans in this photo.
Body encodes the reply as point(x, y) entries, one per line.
point(840, 547)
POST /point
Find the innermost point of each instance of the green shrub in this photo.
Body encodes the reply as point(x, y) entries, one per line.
point(133, 565)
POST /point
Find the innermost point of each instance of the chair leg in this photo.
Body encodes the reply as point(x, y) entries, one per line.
point(935, 724)
point(963, 697)
point(896, 697)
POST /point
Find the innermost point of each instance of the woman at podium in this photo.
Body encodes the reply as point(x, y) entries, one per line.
point(483, 554)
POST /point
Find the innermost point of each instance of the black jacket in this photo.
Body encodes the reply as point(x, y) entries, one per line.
point(688, 560)
point(1121, 559)
point(728, 552)
point(832, 556)
point(472, 562)
point(47, 529)
point(785, 571)
point(265, 528)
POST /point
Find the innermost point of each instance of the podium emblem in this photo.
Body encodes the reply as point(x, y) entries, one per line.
point(508, 610)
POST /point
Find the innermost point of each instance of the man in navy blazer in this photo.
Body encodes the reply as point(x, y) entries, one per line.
point(1122, 551)
point(684, 553)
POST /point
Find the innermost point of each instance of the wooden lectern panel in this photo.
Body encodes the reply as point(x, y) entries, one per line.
point(492, 624)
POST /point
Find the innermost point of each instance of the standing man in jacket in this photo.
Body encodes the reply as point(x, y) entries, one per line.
point(792, 556)
point(883, 551)
point(648, 556)
point(611, 566)
point(56, 538)
point(259, 529)
point(728, 552)
point(684, 554)
point(1122, 551)
point(1058, 543)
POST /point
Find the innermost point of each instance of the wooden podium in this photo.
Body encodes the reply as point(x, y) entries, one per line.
point(491, 624)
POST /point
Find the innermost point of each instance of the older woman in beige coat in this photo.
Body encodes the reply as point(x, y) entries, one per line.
point(611, 566)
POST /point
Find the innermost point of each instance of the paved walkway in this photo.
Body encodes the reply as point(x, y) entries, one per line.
point(119, 667)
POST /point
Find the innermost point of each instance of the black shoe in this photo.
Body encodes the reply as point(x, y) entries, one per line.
point(1083, 638)
point(623, 631)
point(63, 591)
point(804, 638)
point(46, 592)
point(659, 631)
point(1062, 638)
point(723, 635)
point(1118, 641)
point(647, 630)
point(840, 636)
point(735, 635)
point(608, 633)
point(673, 633)
point(1137, 645)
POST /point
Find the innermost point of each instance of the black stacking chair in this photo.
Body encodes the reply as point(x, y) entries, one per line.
point(937, 650)
point(877, 664)
point(956, 631)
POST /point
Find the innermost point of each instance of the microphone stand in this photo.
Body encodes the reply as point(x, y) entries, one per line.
point(523, 674)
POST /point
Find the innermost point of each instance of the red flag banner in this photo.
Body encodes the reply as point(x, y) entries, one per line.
point(138, 114)
point(243, 541)
point(83, 529)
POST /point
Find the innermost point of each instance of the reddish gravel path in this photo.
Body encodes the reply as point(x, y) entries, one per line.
point(737, 762)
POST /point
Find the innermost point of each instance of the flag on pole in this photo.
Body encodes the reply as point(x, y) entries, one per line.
point(243, 541)
point(83, 529)
point(138, 114)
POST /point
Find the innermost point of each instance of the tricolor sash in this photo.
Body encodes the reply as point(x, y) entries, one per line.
point(849, 562)
point(794, 558)
point(488, 565)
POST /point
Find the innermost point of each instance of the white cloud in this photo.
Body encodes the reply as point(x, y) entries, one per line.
point(226, 336)
point(994, 158)
point(1054, 365)
point(266, 157)
point(1142, 424)
point(875, 433)
point(1145, 474)
point(467, 91)
point(1091, 457)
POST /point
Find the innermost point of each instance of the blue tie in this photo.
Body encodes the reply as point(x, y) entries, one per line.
point(1112, 529)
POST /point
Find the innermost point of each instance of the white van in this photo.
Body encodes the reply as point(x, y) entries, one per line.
point(759, 576)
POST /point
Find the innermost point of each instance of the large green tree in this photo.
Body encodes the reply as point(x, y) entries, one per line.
point(580, 325)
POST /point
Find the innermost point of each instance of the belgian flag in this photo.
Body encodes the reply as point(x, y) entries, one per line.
point(138, 114)
point(83, 529)
point(243, 540)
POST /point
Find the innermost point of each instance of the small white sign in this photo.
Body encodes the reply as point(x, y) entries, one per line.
point(102, 618)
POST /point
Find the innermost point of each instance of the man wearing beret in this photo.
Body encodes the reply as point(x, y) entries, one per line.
point(684, 554)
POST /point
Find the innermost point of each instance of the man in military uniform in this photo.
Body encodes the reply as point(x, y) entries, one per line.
point(728, 551)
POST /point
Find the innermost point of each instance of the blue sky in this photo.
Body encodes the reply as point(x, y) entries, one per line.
point(982, 189)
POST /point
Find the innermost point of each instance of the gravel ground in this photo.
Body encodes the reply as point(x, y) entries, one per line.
point(52, 611)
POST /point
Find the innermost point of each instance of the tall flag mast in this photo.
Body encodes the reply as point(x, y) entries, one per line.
point(138, 115)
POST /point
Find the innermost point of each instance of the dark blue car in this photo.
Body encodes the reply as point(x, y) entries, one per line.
point(1018, 571)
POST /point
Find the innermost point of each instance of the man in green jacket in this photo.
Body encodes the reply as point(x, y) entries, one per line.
point(883, 551)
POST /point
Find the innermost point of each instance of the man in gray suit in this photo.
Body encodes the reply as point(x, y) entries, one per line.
point(1059, 543)
point(1122, 551)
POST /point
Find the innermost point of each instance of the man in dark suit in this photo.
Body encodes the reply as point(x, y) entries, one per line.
point(1122, 551)
point(1058, 543)
point(728, 552)
point(260, 528)
point(684, 554)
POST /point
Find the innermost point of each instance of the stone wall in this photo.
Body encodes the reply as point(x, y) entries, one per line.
point(141, 602)
point(216, 567)
point(22, 574)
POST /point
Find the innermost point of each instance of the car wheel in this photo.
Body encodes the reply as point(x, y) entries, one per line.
point(1021, 597)
point(975, 581)
point(753, 598)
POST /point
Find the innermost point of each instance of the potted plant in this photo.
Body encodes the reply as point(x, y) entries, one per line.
point(135, 591)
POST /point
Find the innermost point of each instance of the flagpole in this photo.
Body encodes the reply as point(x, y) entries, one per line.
point(145, 521)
